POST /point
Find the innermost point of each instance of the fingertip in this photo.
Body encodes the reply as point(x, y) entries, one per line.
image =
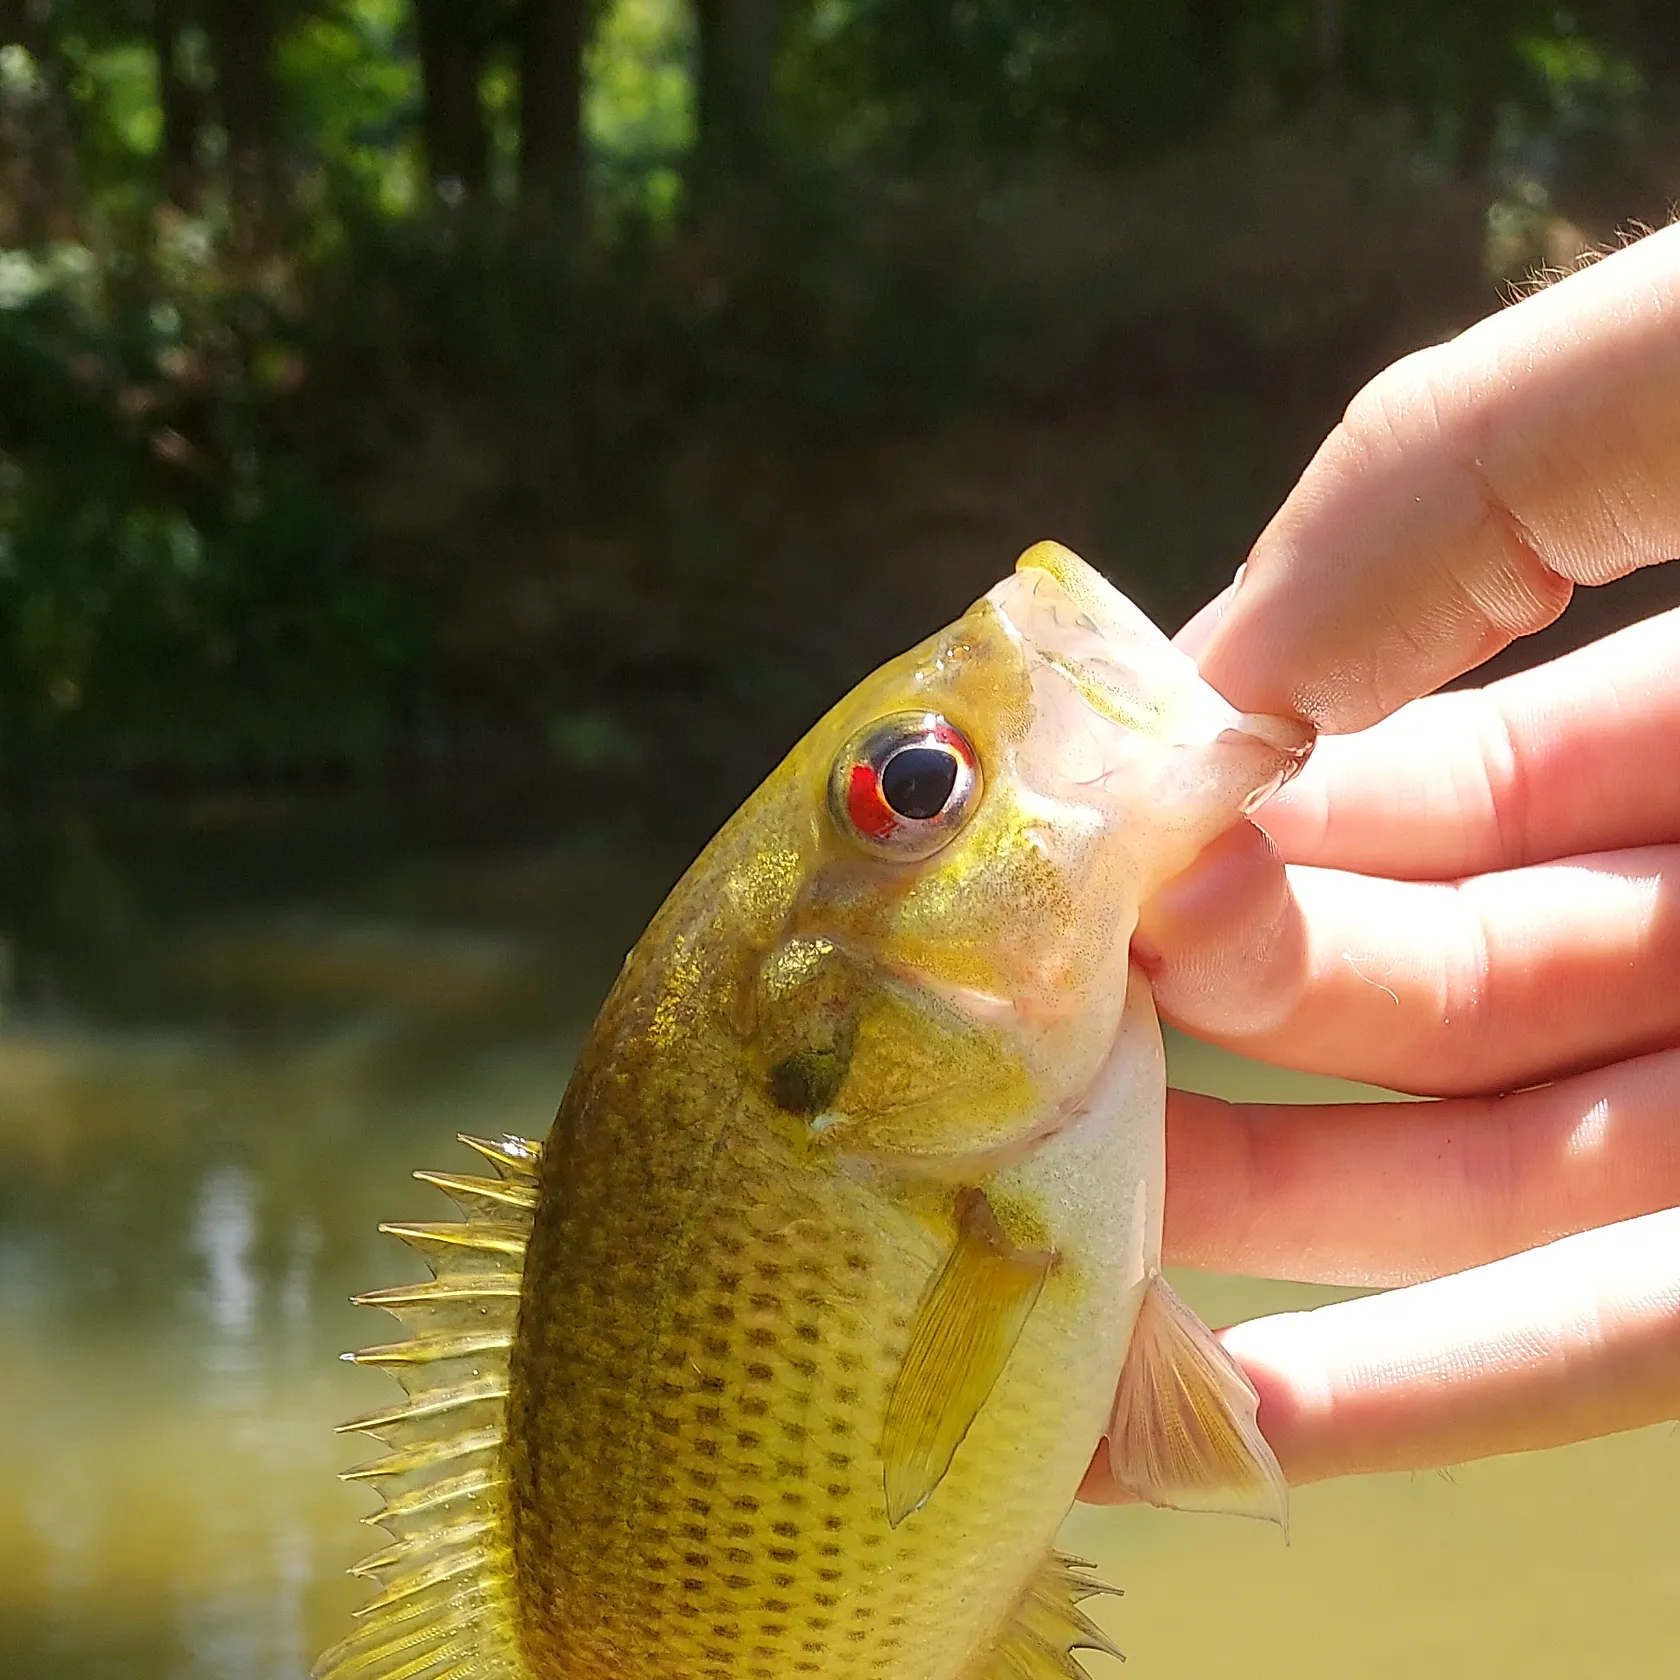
point(1194, 634)
point(1223, 945)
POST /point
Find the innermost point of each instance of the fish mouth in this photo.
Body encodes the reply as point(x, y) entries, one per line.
point(1122, 670)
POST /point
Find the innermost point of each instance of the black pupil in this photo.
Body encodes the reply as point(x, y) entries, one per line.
point(917, 781)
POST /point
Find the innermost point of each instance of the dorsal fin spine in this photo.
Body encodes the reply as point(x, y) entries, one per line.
point(445, 1606)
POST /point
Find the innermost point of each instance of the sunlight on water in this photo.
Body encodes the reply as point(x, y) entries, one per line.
point(186, 1204)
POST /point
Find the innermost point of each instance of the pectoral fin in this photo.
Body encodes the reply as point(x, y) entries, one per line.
point(1184, 1432)
point(963, 1334)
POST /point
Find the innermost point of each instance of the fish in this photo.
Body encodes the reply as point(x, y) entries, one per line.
point(784, 1354)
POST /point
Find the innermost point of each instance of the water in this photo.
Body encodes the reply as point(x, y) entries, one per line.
point(241, 1030)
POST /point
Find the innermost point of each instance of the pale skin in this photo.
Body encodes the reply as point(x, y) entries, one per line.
point(1472, 897)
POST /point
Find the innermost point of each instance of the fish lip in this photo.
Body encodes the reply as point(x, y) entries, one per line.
point(1126, 673)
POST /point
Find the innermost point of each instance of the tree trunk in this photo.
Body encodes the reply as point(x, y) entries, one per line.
point(452, 117)
point(1328, 41)
point(551, 40)
point(737, 41)
point(38, 173)
point(242, 32)
point(180, 103)
point(1656, 42)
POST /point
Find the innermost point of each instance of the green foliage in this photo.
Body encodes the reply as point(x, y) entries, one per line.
point(638, 110)
point(173, 588)
point(352, 92)
point(202, 560)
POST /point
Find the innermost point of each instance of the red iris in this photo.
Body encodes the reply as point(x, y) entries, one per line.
point(870, 813)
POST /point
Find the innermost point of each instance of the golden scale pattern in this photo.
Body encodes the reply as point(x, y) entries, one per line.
point(758, 1544)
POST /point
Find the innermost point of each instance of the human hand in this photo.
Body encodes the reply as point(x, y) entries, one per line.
point(1477, 900)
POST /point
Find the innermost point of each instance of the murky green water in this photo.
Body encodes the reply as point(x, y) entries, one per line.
point(239, 1037)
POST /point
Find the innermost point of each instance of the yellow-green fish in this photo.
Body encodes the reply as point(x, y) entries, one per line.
point(784, 1354)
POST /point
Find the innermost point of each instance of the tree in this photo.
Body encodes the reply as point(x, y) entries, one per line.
point(551, 41)
point(242, 32)
point(179, 101)
point(737, 42)
point(37, 129)
point(452, 48)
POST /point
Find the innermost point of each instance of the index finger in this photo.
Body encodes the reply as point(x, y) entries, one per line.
point(1467, 490)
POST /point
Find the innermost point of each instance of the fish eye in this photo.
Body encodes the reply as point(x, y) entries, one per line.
point(904, 785)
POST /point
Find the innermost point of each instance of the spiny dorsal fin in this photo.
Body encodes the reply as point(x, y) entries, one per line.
point(444, 1610)
point(1048, 1626)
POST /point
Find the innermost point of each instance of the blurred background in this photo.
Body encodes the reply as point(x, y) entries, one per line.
point(448, 450)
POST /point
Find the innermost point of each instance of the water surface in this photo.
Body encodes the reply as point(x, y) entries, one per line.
point(234, 1038)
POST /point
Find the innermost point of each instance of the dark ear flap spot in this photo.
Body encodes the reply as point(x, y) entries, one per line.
point(807, 1081)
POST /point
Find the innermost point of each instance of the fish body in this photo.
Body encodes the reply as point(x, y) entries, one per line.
point(847, 1234)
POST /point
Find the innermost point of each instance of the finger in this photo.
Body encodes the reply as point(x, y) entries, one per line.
point(1466, 491)
point(1196, 630)
point(1488, 984)
point(1577, 1339)
point(1386, 1193)
point(1560, 760)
